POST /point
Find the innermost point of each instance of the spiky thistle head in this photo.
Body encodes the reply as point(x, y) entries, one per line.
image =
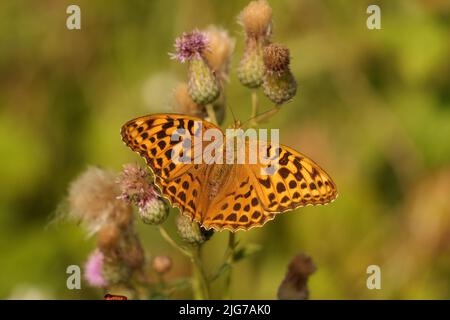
point(190, 45)
point(138, 190)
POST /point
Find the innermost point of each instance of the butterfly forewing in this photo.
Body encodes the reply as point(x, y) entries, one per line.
point(154, 137)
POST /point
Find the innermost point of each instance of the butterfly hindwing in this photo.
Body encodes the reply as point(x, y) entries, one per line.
point(297, 182)
point(238, 205)
point(250, 197)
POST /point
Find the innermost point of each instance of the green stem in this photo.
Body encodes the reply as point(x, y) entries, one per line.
point(200, 281)
point(254, 107)
point(172, 242)
point(265, 115)
point(211, 113)
point(229, 259)
point(200, 285)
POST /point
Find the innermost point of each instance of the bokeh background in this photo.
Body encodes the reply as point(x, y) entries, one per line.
point(373, 108)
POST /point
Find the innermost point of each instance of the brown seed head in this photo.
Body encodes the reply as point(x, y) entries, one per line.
point(108, 237)
point(276, 58)
point(295, 283)
point(131, 251)
point(93, 199)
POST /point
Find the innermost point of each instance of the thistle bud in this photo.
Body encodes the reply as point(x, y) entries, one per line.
point(162, 264)
point(251, 68)
point(155, 212)
point(279, 83)
point(203, 86)
point(190, 231)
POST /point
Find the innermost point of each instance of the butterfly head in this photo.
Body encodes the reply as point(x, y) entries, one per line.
point(237, 124)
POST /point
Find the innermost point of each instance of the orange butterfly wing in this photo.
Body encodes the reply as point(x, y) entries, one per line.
point(249, 199)
point(180, 183)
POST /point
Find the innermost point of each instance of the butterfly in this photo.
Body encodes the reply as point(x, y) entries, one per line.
point(224, 196)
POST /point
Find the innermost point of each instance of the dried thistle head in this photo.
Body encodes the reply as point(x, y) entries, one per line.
point(256, 18)
point(189, 45)
point(295, 283)
point(276, 58)
point(132, 252)
point(184, 103)
point(279, 83)
point(221, 47)
point(108, 237)
point(93, 199)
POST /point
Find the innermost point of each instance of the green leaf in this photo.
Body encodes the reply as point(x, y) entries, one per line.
point(180, 284)
point(158, 296)
point(222, 270)
point(246, 251)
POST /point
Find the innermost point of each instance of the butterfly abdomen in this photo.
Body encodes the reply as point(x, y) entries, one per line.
point(217, 177)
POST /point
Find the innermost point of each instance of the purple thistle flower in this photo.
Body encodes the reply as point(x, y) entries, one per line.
point(189, 46)
point(93, 270)
point(136, 188)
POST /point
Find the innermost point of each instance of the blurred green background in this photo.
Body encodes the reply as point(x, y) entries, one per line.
point(373, 108)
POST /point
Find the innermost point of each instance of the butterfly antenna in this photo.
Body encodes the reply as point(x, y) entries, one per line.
point(232, 114)
point(263, 115)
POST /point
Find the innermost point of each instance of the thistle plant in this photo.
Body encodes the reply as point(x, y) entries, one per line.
point(203, 84)
point(109, 204)
point(256, 19)
point(279, 83)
